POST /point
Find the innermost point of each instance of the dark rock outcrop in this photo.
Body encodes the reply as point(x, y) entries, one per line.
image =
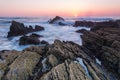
point(81, 31)
point(32, 39)
point(38, 28)
point(106, 24)
point(56, 19)
point(44, 42)
point(35, 35)
point(25, 40)
point(17, 29)
point(103, 43)
point(84, 23)
point(98, 25)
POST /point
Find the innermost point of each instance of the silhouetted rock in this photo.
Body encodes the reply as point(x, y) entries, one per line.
point(25, 40)
point(32, 39)
point(38, 28)
point(17, 29)
point(84, 24)
point(35, 35)
point(44, 42)
point(98, 25)
point(81, 31)
point(56, 19)
point(106, 24)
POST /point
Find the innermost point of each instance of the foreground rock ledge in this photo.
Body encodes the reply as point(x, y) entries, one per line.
point(104, 43)
point(59, 61)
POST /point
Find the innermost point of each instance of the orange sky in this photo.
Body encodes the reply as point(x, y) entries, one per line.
point(82, 8)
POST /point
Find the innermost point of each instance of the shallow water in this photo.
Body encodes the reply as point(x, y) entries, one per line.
point(51, 32)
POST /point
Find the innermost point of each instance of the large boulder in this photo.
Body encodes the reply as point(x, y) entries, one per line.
point(32, 39)
point(38, 28)
point(17, 29)
point(58, 20)
point(25, 40)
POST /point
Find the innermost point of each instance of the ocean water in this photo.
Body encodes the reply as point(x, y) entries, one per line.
point(51, 32)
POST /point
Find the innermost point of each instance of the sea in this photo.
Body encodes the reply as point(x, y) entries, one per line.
point(51, 32)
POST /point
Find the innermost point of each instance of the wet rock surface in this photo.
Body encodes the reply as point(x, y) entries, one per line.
point(103, 43)
point(58, 61)
point(25, 40)
point(32, 39)
point(17, 29)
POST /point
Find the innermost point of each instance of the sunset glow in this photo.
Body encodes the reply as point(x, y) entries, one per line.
point(82, 8)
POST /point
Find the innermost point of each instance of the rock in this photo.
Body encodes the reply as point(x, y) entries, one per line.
point(44, 42)
point(59, 61)
point(8, 58)
point(98, 25)
point(66, 50)
point(32, 39)
point(52, 60)
point(81, 31)
point(35, 35)
point(103, 43)
point(38, 28)
point(23, 66)
point(92, 41)
point(118, 21)
point(66, 71)
point(106, 24)
point(56, 19)
point(84, 23)
point(110, 58)
point(42, 50)
point(25, 40)
point(17, 29)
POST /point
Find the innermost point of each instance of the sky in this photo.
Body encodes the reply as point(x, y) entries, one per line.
point(75, 8)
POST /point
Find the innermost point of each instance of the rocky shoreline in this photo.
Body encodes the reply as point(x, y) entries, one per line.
point(97, 59)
